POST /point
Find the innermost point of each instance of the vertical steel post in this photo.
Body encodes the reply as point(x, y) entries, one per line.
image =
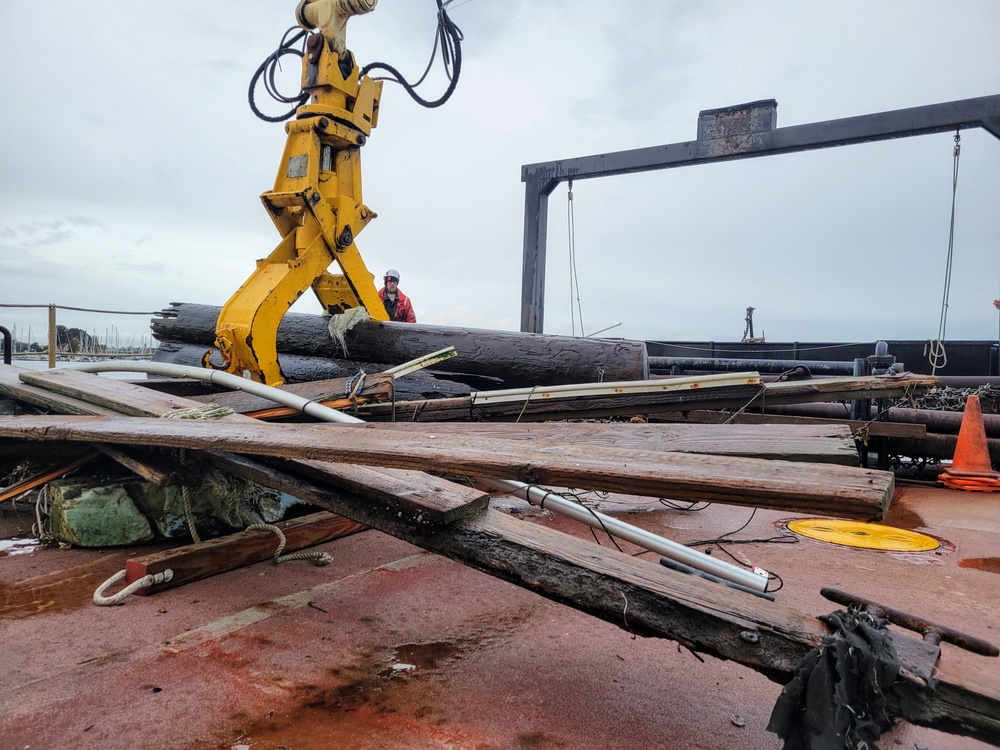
point(7, 347)
point(536, 211)
point(52, 336)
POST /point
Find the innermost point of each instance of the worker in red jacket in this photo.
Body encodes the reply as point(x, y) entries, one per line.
point(396, 303)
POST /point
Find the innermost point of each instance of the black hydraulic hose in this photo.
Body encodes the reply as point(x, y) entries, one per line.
point(450, 37)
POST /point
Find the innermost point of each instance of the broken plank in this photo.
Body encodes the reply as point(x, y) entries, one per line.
point(193, 562)
point(844, 388)
point(825, 489)
point(12, 387)
point(478, 405)
point(583, 407)
point(819, 443)
point(646, 599)
point(434, 499)
point(106, 393)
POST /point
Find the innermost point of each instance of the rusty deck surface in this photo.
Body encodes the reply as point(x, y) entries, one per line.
point(393, 647)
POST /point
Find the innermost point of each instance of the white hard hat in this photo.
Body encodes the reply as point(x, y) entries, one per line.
point(392, 273)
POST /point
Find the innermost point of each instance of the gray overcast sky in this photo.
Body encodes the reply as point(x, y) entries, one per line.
point(131, 164)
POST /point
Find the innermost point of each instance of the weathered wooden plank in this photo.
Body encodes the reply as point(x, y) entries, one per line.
point(845, 388)
point(115, 396)
point(520, 359)
point(782, 485)
point(433, 499)
point(12, 387)
point(583, 407)
point(648, 600)
point(875, 429)
point(732, 397)
point(819, 443)
point(193, 562)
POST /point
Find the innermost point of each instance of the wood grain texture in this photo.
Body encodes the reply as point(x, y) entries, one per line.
point(819, 443)
point(519, 359)
point(835, 490)
point(192, 562)
point(434, 499)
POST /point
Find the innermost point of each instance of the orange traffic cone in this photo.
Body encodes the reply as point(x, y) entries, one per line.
point(970, 468)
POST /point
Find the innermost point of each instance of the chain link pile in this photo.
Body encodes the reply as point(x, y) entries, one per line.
point(943, 398)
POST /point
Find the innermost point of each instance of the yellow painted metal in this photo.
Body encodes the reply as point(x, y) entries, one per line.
point(867, 535)
point(317, 207)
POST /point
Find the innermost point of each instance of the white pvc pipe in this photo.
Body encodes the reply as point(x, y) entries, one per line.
point(678, 552)
point(532, 493)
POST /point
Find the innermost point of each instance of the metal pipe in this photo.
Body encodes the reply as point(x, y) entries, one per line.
point(7, 345)
point(532, 493)
point(52, 336)
point(743, 365)
point(549, 500)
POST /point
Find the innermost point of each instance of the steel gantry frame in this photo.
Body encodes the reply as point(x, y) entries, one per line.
point(736, 132)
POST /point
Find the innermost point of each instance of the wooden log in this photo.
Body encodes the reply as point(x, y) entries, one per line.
point(193, 562)
point(840, 491)
point(822, 443)
point(519, 359)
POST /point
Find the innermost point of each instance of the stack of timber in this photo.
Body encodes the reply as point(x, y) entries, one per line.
point(680, 396)
point(455, 521)
point(485, 359)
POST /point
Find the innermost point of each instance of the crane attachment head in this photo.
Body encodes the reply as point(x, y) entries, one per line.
point(330, 17)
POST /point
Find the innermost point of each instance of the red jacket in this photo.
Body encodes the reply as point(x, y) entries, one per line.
point(403, 312)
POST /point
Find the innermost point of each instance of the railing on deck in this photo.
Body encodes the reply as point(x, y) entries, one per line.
point(52, 345)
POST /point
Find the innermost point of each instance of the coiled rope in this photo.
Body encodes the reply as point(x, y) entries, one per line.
point(320, 558)
point(106, 601)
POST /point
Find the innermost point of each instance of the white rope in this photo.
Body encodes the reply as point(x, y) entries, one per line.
point(320, 558)
point(937, 353)
point(106, 601)
point(205, 411)
point(574, 281)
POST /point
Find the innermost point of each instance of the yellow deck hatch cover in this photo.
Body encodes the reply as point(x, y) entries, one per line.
point(867, 535)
